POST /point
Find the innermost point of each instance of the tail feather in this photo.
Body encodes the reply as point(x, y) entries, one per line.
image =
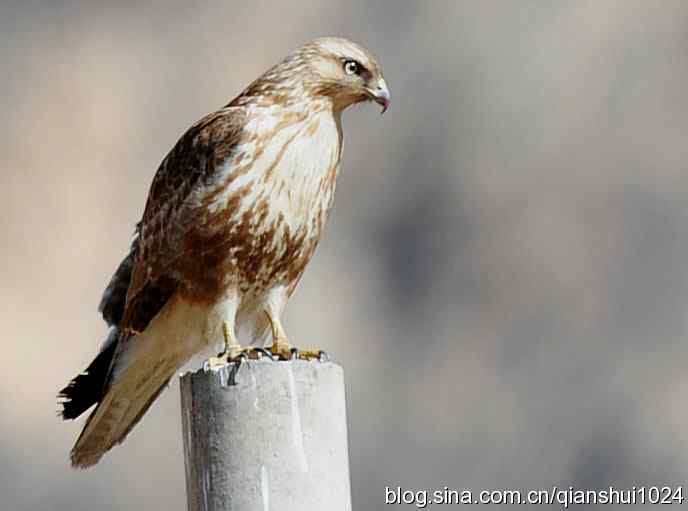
point(138, 369)
point(87, 388)
point(121, 409)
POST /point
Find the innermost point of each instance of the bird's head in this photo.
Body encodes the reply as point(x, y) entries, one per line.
point(329, 67)
point(343, 71)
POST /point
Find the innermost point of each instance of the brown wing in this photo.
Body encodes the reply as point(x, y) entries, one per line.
point(115, 295)
point(190, 165)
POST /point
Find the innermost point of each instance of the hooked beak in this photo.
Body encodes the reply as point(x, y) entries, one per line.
point(380, 94)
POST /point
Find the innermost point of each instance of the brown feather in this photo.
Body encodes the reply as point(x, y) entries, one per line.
point(167, 219)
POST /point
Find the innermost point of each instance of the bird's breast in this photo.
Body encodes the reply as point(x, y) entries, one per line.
point(277, 194)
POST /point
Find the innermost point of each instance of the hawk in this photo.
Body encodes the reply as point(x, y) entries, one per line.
point(233, 216)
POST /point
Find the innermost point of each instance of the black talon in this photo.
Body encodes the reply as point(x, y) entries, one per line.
point(294, 354)
point(264, 352)
point(242, 357)
point(323, 356)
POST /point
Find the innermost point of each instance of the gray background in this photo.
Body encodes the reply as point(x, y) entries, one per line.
point(503, 278)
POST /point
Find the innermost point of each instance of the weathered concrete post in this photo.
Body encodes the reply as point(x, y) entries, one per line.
point(274, 440)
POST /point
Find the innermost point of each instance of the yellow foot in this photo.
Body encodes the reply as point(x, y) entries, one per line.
point(285, 351)
point(313, 354)
point(234, 354)
point(221, 360)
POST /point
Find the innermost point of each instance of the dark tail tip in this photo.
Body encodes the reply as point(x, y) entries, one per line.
point(88, 387)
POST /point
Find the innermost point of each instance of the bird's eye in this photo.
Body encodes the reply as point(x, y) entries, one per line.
point(351, 67)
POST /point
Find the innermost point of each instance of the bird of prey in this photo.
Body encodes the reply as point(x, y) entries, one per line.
point(233, 216)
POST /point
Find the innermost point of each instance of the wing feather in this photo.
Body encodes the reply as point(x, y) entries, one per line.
point(115, 295)
point(169, 214)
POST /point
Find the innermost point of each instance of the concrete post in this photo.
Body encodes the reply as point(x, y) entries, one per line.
point(272, 437)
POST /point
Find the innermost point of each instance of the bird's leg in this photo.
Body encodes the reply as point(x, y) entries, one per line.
point(232, 350)
point(281, 347)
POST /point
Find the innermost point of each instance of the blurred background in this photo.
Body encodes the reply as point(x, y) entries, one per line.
point(503, 278)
